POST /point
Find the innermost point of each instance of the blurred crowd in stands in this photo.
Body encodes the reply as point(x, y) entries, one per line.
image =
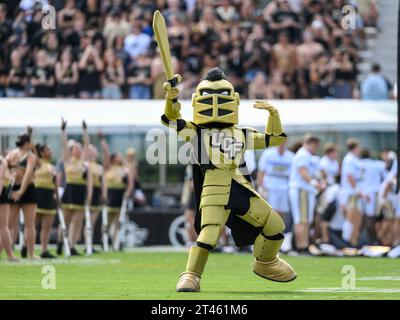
point(105, 49)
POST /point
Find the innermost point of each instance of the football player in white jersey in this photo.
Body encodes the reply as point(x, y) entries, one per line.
point(329, 164)
point(303, 187)
point(372, 174)
point(350, 195)
point(333, 217)
point(272, 179)
point(328, 169)
point(396, 225)
point(389, 203)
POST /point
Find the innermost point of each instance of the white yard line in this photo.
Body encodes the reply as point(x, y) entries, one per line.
point(357, 290)
point(380, 278)
point(80, 261)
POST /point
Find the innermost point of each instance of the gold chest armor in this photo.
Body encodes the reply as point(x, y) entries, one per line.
point(225, 147)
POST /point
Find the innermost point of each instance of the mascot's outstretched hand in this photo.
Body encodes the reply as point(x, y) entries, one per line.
point(264, 104)
point(172, 106)
point(274, 125)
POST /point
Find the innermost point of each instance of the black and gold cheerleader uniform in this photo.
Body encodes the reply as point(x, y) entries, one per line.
point(6, 187)
point(97, 173)
point(117, 182)
point(29, 197)
point(74, 196)
point(45, 188)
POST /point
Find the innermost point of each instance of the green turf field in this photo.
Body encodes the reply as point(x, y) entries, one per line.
point(150, 275)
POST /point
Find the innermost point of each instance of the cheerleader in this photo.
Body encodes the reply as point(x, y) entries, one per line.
point(21, 163)
point(118, 181)
point(91, 155)
point(45, 175)
point(78, 190)
point(138, 196)
point(5, 237)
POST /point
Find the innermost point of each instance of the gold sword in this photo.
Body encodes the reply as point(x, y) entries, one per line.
point(161, 35)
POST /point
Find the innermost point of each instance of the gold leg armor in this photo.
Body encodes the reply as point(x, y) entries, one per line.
point(267, 263)
point(213, 219)
point(189, 281)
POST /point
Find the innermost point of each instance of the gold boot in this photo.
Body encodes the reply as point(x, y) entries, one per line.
point(275, 270)
point(188, 282)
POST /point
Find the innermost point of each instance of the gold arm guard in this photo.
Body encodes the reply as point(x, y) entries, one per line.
point(274, 125)
point(275, 130)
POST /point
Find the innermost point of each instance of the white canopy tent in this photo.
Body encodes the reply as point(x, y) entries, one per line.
point(140, 115)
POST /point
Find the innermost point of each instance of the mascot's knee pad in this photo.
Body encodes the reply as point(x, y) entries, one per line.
point(274, 224)
point(259, 211)
point(268, 243)
point(209, 235)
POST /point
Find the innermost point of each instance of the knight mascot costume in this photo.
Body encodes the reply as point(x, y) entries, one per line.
point(224, 193)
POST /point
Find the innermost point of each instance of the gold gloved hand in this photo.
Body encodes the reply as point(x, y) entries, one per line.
point(274, 125)
point(264, 104)
point(171, 93)
point(172, 106)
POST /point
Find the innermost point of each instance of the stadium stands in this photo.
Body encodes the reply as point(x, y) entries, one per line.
point(269, 49)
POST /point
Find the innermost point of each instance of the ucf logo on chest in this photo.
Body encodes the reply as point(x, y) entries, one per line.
point(226, 143)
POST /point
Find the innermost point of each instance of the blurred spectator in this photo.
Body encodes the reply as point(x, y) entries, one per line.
point(368, 9)
point(177, 36)
point(66, 72)
point(115, 26)
point(320, 34)
point(257, 52)
point(277, 89)
point(306, 54)
point(51, 48)
point(284, 19)
point(137, 42)
point(225, 11)
point(173, 8)
point(320, 77)
point(17, 77)
point(67, 14)
point(5, 26)
point(284, 58)
point(188, 85)
point(258, 88)
point(113, 76)
point(90, 66)
point(3, 79)
point(93, 14)
point(42, 77)
point(118, 47)
point(343, 75)
point(349, 47)
point(74, 35)
point(375, 86)
point(139, 79)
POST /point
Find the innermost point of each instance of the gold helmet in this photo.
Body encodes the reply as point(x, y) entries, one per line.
point(215, 100)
